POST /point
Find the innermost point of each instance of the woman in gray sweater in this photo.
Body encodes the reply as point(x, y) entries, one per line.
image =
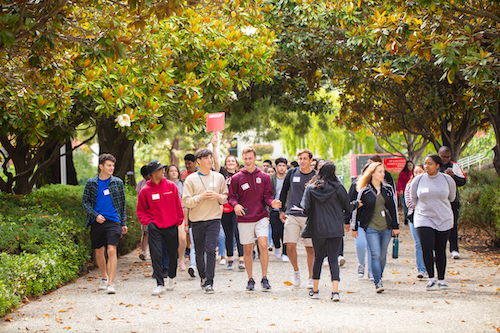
point(432, 194)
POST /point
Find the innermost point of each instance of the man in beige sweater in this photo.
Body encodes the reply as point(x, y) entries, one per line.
point(204, 193)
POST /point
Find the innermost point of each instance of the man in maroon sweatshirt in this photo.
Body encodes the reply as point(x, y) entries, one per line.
point(249, 192)
point(159, 207)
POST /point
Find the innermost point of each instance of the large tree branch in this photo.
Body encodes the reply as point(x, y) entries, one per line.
point(477, 13)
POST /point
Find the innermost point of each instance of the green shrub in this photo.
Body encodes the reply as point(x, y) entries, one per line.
point(480, 204)
point(44, 243)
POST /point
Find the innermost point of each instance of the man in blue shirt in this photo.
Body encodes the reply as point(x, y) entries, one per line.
point(104, 201)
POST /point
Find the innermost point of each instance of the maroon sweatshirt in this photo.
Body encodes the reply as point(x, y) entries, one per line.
point(253, 191)
point(160, 204)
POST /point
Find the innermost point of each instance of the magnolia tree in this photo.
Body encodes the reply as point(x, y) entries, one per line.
point(120, 68)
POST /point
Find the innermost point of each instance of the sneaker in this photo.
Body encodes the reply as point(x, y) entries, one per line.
point(143, 255)
point(361, 271)
point(325, 262)
point(265, 284)
point(379, 287)
point(284, 258)
point(241, 265)
point(170, 284)
point(277, 253)
point(103, 285)
point(370, 276)
point(230, 265)
point(191, 271)
point(222, 261)
point(314, 294)
point(209, 289)
point(251, 285)
point(310, 284)
point(111, 289)
point(335, 297)
point(158, 290)
point(203, 283)
point(443, 285)
point(426, 276)
point(431, 285)
point(455, 255)
point(420, 275)
point(341, 260)
point(296, 279)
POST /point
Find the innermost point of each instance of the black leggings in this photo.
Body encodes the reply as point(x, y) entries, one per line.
point(277, 230)
point(433, 244)
point(322, 248)
point(230, 227)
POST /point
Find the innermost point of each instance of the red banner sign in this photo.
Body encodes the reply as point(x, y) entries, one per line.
point(216, 121)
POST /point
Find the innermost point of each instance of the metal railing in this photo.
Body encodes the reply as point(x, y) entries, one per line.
point(467, 162)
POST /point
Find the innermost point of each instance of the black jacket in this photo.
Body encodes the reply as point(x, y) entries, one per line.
point(325, 208)
point(364, 213)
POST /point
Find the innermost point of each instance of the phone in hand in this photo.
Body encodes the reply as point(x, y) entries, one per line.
point(245, 210)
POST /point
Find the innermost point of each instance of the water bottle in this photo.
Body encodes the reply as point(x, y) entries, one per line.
point(395, 247)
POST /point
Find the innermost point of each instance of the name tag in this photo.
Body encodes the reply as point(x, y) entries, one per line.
point(245, 187)
point(105, 192)
point(156, 196)
point(296, 179)
point(425, 190)
point(383, 213)
point(211, 184)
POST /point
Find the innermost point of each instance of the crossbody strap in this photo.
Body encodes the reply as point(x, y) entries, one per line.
point(383, 205)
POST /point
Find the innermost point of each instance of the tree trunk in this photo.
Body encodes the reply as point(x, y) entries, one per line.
point(175, 147)
point(495, 121)
point(112, 140)
point(53, 173)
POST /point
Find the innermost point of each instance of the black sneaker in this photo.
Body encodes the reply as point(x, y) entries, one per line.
point(203, 283)
point(251, 285)
point(379, 287)
point(265, 284)
point(191, 271)
point(209, 289)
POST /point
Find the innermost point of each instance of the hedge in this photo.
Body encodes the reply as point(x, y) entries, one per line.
point(44, 243)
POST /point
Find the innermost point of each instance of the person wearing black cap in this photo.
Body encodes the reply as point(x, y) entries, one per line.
point(159, 207)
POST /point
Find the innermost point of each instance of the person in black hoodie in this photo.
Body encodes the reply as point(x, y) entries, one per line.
point(324, 202)
point(378, 217)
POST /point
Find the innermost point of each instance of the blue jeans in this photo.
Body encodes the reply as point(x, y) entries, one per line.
point(192, 252)
point(378, 241)
point(418, 249)
point(221, 242)
point(361, 248)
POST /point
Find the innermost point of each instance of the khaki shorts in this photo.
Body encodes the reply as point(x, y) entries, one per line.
point(250, 230)
point(293, 228)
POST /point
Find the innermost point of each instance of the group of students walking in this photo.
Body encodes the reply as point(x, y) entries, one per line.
point(299, 203)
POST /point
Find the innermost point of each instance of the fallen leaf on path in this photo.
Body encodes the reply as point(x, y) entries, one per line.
point(62, 310)
point(272, 325)
point(288, 283)
point(45, 315)
point(350, 292)
point(207, 319)
point(98, 318)
point(9, 319)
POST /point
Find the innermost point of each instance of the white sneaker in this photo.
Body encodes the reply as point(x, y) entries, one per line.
point(341, 260)
point(296, 279)
point(455, 255)
point(310, 284)
point(284, 258)
point(110, 289)
point(277, 253)
point(103, 285)
point(222, 261)
point(325, 262)
point(170, 284)
point(158, 290)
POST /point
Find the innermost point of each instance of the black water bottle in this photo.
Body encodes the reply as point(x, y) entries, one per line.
point(395, 247)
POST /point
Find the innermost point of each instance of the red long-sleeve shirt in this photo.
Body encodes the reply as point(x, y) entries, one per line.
point(160, 204)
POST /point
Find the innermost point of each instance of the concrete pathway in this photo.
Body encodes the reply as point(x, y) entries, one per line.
point(471, 305)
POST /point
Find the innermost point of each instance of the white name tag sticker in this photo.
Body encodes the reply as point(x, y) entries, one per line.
point(383, 213)
point(105, 192)
point(211, 184)
point(156, 196)
point(425, 190)
point(245, 187)
point(296, 179)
